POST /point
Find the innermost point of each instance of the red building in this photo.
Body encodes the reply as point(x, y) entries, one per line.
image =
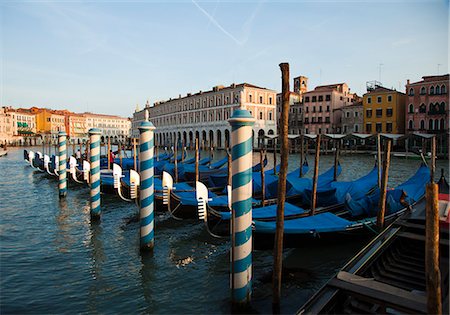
point(427, 108)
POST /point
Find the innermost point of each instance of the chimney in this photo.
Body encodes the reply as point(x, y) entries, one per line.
point(407, 82)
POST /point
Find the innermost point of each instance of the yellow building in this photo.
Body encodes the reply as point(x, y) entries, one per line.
point(384, 111)
point(49, 121)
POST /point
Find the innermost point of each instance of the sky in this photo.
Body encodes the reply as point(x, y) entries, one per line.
point(110, 56)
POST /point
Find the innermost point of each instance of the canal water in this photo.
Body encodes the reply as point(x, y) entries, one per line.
point(53, 260)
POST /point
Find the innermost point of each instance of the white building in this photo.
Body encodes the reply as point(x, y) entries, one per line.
point(6, 126)
point(205, 115)
point(139, 116)
point(114, 127)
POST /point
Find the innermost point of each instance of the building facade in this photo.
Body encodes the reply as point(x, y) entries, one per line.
point(205, 115)
point(295, 118)
point(77, 130)
point(6, 126)
point(427, 108)
point(384, 111)
point(352, 118)
point(320, 106)
point(139, 116)
point(112, 127)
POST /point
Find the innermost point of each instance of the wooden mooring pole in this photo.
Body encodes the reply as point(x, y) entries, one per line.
point(278, 249)
point(379, 159)
point(196, 160)
point(432, 270)
point(301, 156)
point(109, 153)
point(315, 176)
point(336, 159)
point(229, 166)
point(176, 159)
point(134, 154)
point(263, 185)
point(274, 156)
point(384, 182)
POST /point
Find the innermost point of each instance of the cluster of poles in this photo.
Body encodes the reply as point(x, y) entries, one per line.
point(241, 196)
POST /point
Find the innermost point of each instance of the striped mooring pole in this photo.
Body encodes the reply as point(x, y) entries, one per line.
point(146, 188)
point(241, 197)
point(62, 153)
point(94, 140)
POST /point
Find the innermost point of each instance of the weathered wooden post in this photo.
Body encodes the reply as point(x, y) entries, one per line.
point(229, 166)
point(134, 154)
point(94, 139)
point(120, 153)
point(384, 182)
point(315, 177)
point(301, 155)
point(263, 184)
point(196, 160)
point(432, 270)
point(379, 159)
point(336, 159)
point(278, 250)
point(241, 220)
point(175, 161)
point(109, 153)
point(274, 156)
point(62, 153)
point(146, 187)
point(210, 155)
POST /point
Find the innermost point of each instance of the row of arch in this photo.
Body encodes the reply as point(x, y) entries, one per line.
point(432, 107)
point(210, 138)
point(433, 90)
point(435, 124)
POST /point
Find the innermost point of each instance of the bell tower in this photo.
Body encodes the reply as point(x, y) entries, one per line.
point(300, 84)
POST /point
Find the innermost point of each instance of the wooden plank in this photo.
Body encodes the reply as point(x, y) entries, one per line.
point(379, 291)
point(421, 238)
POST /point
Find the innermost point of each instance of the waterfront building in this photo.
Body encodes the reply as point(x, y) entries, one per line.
point(319, 108)
point(351, 118)
point(384, 110)
point(139, 116)
point(427, 104)
point(77, 130)
point(205, 115)
point(6, 125)
point(295, 118)
point(112, 127)
point(49, 122)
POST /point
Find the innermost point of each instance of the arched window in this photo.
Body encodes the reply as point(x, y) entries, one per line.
point(411, 108)
point(422, 90)
point(270, 115)
point(431, 107)
point(410, 125)
point(443, 89)
point(422, 124)
point(430, 124)
point(431, 90)
point(438, 89)
point(250, 98)
point(442, 124)
point(411, 92)
point(422, 108)
point(260, 115)
point(442, 108)
point(436, 124)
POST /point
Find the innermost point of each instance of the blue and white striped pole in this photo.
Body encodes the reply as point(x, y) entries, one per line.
point(241, 197)
point(146, 188)
point(94, 140)
point(62, 153)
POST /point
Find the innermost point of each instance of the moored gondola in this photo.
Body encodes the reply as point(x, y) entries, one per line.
point(388, 275)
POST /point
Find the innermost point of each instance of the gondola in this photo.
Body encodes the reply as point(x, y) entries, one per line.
point(388, 275)
point(358, 219)
point(216, 218)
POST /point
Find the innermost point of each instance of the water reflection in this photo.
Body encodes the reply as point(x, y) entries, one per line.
point(97, 261)
point(147, 274)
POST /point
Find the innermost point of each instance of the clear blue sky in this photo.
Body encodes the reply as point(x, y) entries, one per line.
point(107, 56)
